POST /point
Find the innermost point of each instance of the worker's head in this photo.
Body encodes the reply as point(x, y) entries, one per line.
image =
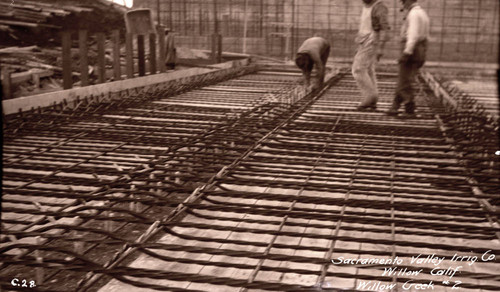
point(407, 3)
point(368, 2)
point(304, 62)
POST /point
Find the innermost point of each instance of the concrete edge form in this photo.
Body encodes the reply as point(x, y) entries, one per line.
point(15, 105)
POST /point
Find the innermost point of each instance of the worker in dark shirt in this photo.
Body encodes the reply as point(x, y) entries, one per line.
point(313, 51)
point(372, 35)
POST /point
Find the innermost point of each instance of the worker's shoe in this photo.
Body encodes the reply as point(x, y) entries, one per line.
point(393, 111)
point(410, 108)
point(367, 107)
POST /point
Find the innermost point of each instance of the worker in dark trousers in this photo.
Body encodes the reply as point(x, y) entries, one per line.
point(414, 38)
point(170, 51)
point(313, 51)
point(371, 38)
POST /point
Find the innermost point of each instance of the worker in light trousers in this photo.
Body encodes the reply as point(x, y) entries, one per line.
point(372, 36)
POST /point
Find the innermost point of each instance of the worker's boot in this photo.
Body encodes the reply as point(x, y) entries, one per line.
point(368, 105)
point(410, 108)
point(393, 111)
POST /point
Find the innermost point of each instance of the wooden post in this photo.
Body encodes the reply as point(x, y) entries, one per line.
point(152, 53)
point(200, 17)
point(66, 60)
point(245, 27)
point(161, 41)
point(216, 38)
point(141, 55)
point(117, 70)
point(84, 58)
point(6, 83)
point(101, 61)
point(158, 11)
point(36, 79)
point(129, 54)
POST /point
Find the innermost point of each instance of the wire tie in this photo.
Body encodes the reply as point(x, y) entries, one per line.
point(119, 168)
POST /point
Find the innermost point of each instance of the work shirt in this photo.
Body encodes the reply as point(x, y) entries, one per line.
point(416, 27)
point(373, 20)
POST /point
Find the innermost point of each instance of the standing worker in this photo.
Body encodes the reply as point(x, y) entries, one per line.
point(313, 51)
point(372, 36)
point(170, 51)
point(414, 36)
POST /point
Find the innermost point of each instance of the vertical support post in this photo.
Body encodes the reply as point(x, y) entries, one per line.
point(216, 38)
point(200, 17)
point(441, 49)
point(478, 31)
point(141, 55)
point(66, 60)
point(152, 53)
point(117, 71)
point(261, 19)
point(245, 26)
point(101, 60)
point(170, 16)
point(129, 54)
point(185, 17)
point(347, 32)
point(292, 31)
point(36, 79)
point(161, 42)
point(6, 83)
point(84, 57)
point(158, 12)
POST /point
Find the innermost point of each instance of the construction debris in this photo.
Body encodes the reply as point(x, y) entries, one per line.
point(30, 39)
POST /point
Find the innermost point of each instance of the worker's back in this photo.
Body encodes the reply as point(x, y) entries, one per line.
point(314, 46)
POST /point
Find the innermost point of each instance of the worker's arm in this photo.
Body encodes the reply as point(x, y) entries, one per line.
point(380, 22)
point(307, 78)
point(321, 72)
point(412, 33)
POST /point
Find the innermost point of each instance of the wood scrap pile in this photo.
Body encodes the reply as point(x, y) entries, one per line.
point(30, 39)
point(24, 22)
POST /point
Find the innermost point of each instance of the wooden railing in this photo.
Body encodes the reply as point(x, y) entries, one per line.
point(155, 61)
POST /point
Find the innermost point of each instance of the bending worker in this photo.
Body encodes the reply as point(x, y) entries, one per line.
point(313, 51)
point(372, 36)
point(414, 36)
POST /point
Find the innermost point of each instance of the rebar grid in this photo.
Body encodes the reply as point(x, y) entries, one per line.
point(306, 180)
point(111, 168)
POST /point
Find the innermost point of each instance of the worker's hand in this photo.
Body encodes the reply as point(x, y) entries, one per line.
point(404, 58)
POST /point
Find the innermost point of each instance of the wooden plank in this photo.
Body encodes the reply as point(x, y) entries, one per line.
point(152, 53)
point(129, 51)
point(66, 60)
point(101, 61)
point(6, 83)
point(116, 55)
point(161, 42)
point(48, 99)
point(28, 75)
point(84, 59)
point(141, 55)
